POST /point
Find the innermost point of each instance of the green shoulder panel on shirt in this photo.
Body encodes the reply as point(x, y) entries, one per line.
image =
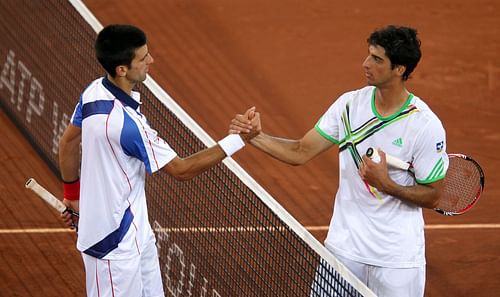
point(318, 129)
point(437, 173)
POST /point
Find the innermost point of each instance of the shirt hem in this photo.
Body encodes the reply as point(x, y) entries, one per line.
point(114, 255)
point(374, 262)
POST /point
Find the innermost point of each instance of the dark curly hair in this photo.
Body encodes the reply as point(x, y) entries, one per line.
point(401, 45)
point(116, 45)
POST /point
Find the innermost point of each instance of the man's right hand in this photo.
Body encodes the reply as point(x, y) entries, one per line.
point(67, 218)
point(247, 125)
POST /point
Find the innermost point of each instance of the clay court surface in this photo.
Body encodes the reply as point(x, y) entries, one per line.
point(290, 59)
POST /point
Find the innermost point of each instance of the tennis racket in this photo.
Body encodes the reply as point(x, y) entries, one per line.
point(463, 184)
point(47, 196)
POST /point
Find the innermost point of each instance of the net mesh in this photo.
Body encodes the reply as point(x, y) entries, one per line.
point(215, 236)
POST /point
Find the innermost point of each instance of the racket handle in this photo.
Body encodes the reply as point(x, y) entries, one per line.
point(47, 196)
point(391, 161)
point(71, 212)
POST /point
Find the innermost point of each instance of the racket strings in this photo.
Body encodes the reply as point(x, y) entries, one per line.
point(462, 185)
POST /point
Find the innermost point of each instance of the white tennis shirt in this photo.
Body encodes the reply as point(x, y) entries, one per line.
point(369, 226)
point(118, 147)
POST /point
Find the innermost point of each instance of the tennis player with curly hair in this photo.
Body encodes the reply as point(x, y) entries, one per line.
point(377, 228)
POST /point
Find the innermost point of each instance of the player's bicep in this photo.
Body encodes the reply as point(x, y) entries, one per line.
point(69, 153)
point(431, 193)
point(313, 143)
point(71, 138)
point(436, 187)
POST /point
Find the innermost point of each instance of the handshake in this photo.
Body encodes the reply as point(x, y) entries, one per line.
point(247, 125)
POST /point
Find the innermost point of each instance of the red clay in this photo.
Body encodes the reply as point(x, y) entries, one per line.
point(290, 59)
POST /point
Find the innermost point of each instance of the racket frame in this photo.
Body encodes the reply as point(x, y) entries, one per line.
point(478, 193)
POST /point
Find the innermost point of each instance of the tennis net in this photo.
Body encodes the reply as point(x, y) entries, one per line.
point(220, 234)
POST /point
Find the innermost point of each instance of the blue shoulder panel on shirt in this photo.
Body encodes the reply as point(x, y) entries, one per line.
point(77, 117)
point(131, 141)
point(97, 107)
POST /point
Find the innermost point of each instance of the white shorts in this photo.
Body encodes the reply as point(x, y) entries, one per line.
point(136, 277)
point(383, 281)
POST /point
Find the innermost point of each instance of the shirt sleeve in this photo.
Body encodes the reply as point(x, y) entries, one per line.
point(141, 141)
point(430, 160)
point(329, 124)
point(76, 118)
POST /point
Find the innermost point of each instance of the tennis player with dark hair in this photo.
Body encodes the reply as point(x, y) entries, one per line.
point(377, 228)
point(117, 148)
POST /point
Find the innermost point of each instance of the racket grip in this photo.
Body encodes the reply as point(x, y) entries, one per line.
point(391, 161)
point(71, 212)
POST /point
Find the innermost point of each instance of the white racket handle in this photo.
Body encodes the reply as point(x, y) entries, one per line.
point(391, 161)
point(33, 185)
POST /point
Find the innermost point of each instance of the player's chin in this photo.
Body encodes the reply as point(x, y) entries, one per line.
point(142, 78)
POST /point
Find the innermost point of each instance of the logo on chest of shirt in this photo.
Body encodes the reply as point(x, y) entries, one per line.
point(398, 142)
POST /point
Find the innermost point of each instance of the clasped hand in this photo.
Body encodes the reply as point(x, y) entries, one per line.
point(247, 124)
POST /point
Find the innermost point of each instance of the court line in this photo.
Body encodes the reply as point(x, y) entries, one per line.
point(430, 227)
point(462, 226)
point(36, 230)
point(244, 229)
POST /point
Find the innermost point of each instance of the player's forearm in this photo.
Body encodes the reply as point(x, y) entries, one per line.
point(285, 150)
point(197, 163)
point(69, 166)
point(425, 196)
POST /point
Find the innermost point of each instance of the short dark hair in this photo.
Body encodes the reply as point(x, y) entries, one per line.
point(401, 45)
point(116, 45)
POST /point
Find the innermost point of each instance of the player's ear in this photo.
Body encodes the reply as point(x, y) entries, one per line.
point(400, 70)
point(121, 70)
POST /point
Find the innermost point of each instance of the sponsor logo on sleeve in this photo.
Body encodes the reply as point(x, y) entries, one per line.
point(439, 146)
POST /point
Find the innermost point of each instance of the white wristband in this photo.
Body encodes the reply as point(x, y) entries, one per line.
point(231, 144)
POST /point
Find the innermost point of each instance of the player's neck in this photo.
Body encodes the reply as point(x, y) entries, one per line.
point(389, 100)
point(122, 83)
